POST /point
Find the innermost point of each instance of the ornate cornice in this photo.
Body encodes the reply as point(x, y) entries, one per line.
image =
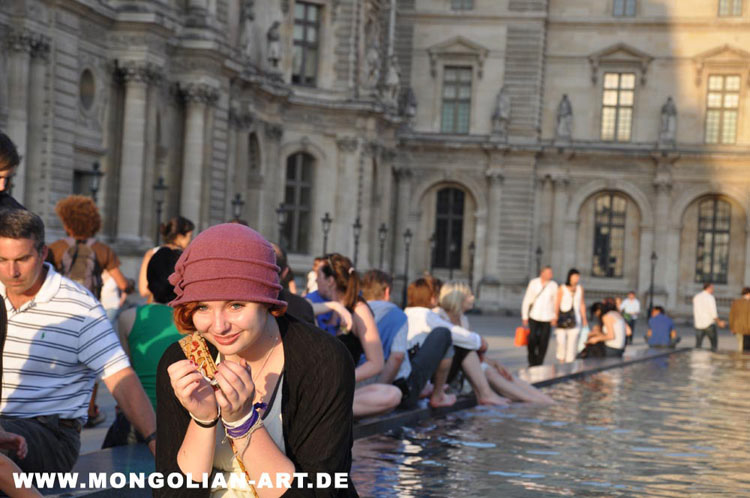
point(241, 119)
point(140, 72)
point(200, 93)
point(273, 131)
point(25, 40)
point(347, 144)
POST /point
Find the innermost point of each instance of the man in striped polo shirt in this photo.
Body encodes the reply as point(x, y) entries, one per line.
point(58, 341)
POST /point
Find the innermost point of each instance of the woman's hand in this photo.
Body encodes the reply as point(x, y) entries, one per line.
point(236, 390)
point(341, 311)
point(193, 391)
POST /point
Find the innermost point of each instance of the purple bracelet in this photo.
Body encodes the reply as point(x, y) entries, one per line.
point(239, 431)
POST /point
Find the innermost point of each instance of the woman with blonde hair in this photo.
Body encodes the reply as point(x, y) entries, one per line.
point(455, 300)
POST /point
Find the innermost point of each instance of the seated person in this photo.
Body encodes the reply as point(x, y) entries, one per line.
point(421, 298)
point(296, 305)
point(593, 350)
point(614, 331)
point(409, 374)
point(661, 332)
point(455, 300)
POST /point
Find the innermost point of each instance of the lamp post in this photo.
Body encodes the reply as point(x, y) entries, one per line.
point(237, 204)
point(357, 229)
point(96, 180)
point(160, 193)
point(281, 215)
point(326, 220)
point(382, 234)
point(538, 259)
point(472, 252)
point(452, 249)
point(433, 244)
point(407, 243)
point(654, 257)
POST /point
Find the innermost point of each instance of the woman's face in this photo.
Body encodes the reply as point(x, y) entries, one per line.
point(182, 241)
point(574, 279)
point(325, 284)
point(232, 326)
point(468, 303)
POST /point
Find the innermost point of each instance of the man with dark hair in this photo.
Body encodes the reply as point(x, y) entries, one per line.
point(9, 161)
point(739, 320)
point(297, 306)
point(661, 331)
point(409, 372)
point(705, 317)
point(59, 341)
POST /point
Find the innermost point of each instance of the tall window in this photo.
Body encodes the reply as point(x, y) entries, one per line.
point(624, 8)
point(730, 8)
point(449, 228)
point(722, 106)
point(462, 4)
point(617, 106)
point(298, 202)
point(714, 220)
point(306, 31)
point(609, 235)
point(456, 100)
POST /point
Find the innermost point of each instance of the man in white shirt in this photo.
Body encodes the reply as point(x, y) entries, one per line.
point(538, 313)
point(58, 341)
point(630, 309)
point(705, 316)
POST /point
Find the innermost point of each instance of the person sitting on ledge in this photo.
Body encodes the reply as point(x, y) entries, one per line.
point(661, 332)
point(614, 330)
point(409, 373)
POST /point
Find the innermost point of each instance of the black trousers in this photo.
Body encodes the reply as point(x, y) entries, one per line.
point(424, 364)
point(709, 332)
point(538, 341)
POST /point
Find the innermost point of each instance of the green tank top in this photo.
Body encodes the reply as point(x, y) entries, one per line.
point(152, 333)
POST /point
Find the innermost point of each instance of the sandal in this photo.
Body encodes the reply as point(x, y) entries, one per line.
point(96, 419)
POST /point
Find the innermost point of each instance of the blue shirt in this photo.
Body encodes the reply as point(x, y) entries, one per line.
point(326, 321)
point(661, 328)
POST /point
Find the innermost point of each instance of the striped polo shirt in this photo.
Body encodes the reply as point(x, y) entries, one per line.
point(57, 344)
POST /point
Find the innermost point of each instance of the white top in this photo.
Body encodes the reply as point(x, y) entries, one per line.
point(543, 309)
point(110, 298)
point(631, 306)
point(704, 310)
point(572, 300)
point(422, 321)
point(57, 344)
point(620, 333)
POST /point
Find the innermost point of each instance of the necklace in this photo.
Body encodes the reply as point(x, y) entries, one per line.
point(268, 355)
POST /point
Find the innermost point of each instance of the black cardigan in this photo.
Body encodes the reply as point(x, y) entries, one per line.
point(317, 395)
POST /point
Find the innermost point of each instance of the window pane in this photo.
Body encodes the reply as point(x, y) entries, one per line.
point(464, 92)
point(608, 123)
point(623, 125)
point(312, 12)
point(449, 228)
point(465, 75)
point(450, 74)
point(715, 82)
point(449, 91)
point(610, 97)
point(712, 126)
point(298, 32)
point(627, 81)
point(299, 10)
point(626, 98)
point(714, 100)
point(731, 100)
point(611, 80)
point(732, 83)
point(729, 127)
point(619, 7)
point(463, 118)
point(630, 8)
point(447, 122)
point(312, 35)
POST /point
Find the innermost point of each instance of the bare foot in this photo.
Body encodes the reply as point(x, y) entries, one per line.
point(427, 391)
point(442, 400)
point(493, 399)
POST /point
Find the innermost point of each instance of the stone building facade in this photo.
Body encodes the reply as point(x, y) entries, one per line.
point(503, 134)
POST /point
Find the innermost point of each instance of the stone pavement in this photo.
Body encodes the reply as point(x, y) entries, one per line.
point(499, 332)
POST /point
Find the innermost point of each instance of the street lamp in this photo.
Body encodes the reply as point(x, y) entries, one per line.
point(382, 234)
point(452, 249)
point(160, 194)
point(237, 204)
point(433, 245)
point(357, 229)
point(326, 220)
point(407, 243)
point(96, 180)
point(281, 216)
point(472, 252)
point(654, 257)
point(538, 259)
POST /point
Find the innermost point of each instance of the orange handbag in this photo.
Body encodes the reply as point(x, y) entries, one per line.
point(522, 336)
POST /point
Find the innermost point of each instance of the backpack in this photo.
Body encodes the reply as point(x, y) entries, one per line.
point(79, 264)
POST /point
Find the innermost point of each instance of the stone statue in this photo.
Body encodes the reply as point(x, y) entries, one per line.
point(273, 47)
point(501, 116)
point(372, 66)
point(409, 106)
point(668, 130)
point(392, 82)
point(246, 35)
point(373, 9)
point(564, 119)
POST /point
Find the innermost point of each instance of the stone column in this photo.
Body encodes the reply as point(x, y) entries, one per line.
point(369, 235)
point(347, 196)
point(20, 45)
point(33, 197)
point(198, 97)
point(137, 76)
point(238, 180)
point(404, 176)
point(386, 206)
point(272, 194)
point(546, 210)
point(559, 215)
point(495, 179)
point(666, 246)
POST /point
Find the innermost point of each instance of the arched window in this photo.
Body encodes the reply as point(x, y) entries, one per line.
point(609, 235)
point(298, 202)
point(449, 227)
point(714, 220)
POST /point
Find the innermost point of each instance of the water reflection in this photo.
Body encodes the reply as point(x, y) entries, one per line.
point(673, 426)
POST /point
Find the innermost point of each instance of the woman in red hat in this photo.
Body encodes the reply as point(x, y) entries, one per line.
point(281, 397)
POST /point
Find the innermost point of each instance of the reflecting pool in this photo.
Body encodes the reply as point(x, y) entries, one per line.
point(673, 426)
